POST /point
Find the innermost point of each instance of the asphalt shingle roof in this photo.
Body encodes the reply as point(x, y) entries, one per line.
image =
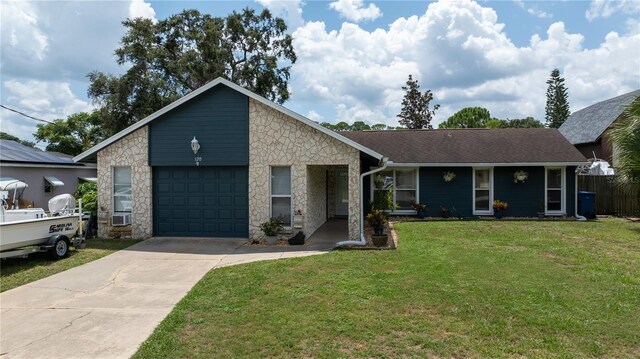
point(11, 151)
point(588, 124)
point(508, 145)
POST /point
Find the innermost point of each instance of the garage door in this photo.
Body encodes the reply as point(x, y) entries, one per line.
point(200, 201)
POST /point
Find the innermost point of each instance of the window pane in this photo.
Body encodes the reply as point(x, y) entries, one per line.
point(482, 200)
point(482, 179)
point(554, 178)
point(281, 209)
point(404, 198)
point(122, 176)
point(122, 203)
point(554, 200)
point(406, 179)
point(383, 180)
point(281, 180)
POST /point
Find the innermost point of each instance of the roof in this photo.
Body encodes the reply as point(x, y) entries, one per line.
point(471, 146)
point(220, 81)
point(14, 152)
point(588, 124)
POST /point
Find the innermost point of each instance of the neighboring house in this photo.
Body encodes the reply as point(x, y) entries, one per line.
point(47, 174)
point(222, 160)
point(587, 129)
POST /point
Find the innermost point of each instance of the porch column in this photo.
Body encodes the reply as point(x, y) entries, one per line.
point(354, 199)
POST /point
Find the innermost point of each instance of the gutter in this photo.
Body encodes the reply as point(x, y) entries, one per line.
point(363, 241)
point(575, 208)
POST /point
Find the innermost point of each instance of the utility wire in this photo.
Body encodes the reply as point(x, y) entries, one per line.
point(24, 114)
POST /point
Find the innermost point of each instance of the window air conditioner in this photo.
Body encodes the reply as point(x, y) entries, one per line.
point(121, 219)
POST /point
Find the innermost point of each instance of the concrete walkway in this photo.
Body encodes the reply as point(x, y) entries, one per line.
point(107, 308)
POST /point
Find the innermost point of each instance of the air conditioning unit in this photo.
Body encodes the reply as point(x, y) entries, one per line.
point(121, 219)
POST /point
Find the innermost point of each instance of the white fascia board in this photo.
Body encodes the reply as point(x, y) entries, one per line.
point(238, 88)
point(471, 164)
point(36, 165)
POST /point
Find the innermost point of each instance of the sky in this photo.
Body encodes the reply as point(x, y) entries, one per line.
point(353, 55)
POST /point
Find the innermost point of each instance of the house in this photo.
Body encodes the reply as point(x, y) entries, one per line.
point(586, 129)
point(221, 160)
point(47, 174)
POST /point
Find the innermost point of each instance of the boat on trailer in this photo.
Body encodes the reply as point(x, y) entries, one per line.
point(31, 230)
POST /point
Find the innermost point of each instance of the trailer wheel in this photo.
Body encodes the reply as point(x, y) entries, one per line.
point(60, 247)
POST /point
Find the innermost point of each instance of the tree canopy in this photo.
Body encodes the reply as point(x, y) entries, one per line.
point(625, 136)
point(468, 117)
point(415, 113)
point(357, 126)
point(6, 136)
point(557, 109)
point(73, 135)
point(169, 58)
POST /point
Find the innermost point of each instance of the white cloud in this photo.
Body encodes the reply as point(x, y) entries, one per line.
point(139, 8)
point(21, 33)
point(355, 10)
point(460, 51)
point(606, 8)
point(289, 10)
point(539, 13)
point(47, 100)
point(314, 116)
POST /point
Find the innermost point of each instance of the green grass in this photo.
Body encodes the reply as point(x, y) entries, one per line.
point(452, 289)
point(15, 272)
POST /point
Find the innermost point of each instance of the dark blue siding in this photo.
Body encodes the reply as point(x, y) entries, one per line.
point(524, 199)
point(218, 118)
point(435, 192)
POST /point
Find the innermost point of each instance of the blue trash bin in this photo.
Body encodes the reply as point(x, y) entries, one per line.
point(587, 204)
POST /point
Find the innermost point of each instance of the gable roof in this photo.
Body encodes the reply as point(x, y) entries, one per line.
point(472, 146)
point(588, 124)
point(14, 152)
point(220, 81)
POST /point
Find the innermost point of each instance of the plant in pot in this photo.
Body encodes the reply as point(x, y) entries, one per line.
point(421, 209)
point(271, 228)
point(445, 212)
point(377, 219)
point(499, 207)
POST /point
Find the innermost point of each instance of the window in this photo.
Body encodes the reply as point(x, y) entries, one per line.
point(281, 194)
point(403, 186)
point(482, 191)
point(554, 197)
point(50, 183)
point(122, 189)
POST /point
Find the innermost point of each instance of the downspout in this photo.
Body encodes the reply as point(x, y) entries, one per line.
point(363, 241)
point(575, 208)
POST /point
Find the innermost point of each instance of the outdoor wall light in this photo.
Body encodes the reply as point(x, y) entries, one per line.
point(195, 146)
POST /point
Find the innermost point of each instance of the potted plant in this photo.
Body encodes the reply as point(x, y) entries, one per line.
point(499, 207)
point(445, 212)
point(377, 220)
point(520, 176)
point(421, 209)
point(271, 228)
point(448, 176)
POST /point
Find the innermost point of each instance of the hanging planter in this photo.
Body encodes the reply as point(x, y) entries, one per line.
point(520, 176)
point(448, 176)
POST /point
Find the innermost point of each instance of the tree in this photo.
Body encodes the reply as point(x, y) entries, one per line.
point(468, 117)
point(557, 109)
point(359, 126)
point(528, 122)
point(6, 136)
point(72, 136)
point(415, 113)
point(169, 58)
point(379, 127)
point(625, 136)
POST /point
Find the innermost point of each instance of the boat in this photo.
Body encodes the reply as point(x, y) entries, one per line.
point(33, 227)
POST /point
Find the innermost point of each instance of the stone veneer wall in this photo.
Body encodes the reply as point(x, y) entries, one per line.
point(316, 197)
point(131, 150)
point(331, 188)
point(276, 139)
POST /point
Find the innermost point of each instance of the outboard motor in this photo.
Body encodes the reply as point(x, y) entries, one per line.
point(62, 205)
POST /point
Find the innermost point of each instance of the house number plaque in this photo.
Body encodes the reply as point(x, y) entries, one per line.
point(198, 160)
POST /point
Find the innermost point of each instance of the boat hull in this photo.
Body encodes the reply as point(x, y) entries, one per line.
point(36, 231)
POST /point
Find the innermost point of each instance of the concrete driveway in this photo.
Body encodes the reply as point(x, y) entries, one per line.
point(107, 308)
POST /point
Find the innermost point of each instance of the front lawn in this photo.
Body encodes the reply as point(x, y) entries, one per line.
point(452, 289)
point(15, 272)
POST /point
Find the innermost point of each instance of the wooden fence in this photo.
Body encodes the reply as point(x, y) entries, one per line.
point(611, 198)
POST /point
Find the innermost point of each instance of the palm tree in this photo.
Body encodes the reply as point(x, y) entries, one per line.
point(625, 136)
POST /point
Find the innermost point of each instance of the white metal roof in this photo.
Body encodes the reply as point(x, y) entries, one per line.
point(95, 149)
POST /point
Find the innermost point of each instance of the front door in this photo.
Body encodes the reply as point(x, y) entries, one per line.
point(342, 193)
